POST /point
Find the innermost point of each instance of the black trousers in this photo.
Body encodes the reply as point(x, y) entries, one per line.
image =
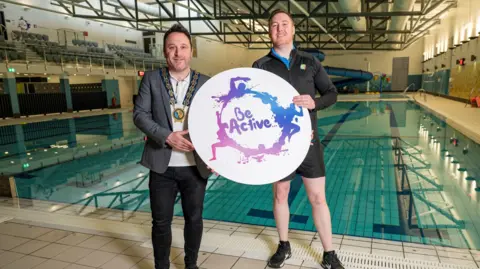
point(163, 192)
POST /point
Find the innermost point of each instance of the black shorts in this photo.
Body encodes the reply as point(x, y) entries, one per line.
point(313, 165)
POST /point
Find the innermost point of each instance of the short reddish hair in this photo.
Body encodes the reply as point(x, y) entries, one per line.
point(277, 11)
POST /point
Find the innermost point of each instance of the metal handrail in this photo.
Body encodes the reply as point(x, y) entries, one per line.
point(88, 59)
point(406, 89)
point(470, 97)
point(429, 74)
point(420, 91)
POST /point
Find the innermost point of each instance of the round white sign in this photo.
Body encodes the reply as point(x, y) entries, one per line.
point(244, 125)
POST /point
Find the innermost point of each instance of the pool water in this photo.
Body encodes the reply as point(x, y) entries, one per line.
point(41, 144)
point(394, 171)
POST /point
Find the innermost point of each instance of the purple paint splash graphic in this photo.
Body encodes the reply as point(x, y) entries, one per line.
point(283, 118)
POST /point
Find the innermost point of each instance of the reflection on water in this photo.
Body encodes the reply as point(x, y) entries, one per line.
point(31, 146)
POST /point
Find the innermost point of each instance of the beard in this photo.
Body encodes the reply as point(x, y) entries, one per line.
point(178, 64)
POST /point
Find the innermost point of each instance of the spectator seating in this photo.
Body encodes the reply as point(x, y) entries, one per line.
point(80, 51)
point(17, 35)
point(135, 56)
point(10, 51)
point(85, 43)
point(53, 52)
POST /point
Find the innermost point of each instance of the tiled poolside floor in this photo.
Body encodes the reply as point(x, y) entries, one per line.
point(36, 237)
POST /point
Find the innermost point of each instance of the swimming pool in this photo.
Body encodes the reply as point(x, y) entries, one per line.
point(31, 146)
point(394, 171)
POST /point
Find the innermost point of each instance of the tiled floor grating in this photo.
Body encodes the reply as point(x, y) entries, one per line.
point(371, 261)
point(305, 255)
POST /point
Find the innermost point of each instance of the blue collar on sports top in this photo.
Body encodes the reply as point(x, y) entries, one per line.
point(281, 58)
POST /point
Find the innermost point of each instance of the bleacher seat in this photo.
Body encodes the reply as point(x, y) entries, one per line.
point(87, 52)
point(10, 51)
point(135, 56)
point(85, 43)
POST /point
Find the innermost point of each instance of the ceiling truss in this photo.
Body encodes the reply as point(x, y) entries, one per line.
point(319, 24)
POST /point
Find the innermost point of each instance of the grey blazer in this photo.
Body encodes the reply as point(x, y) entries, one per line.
point(152, 115)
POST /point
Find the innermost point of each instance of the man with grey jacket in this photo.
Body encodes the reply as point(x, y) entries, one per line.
point(161, 111)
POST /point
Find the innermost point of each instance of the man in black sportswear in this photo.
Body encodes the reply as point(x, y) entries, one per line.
point(305, 73)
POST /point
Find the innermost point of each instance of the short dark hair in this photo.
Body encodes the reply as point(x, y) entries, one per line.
point(277, 11)
point(177, 28)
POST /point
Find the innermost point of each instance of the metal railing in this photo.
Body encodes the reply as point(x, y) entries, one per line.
point(470, 95)
point(406, 89)
point(32, 55)
point(420, 91)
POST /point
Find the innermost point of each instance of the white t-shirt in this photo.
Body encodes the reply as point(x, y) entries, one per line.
point(180, 88)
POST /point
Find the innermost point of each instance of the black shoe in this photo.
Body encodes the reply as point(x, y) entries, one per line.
point(192, 267)
point(331, 261)
point(283, 253)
